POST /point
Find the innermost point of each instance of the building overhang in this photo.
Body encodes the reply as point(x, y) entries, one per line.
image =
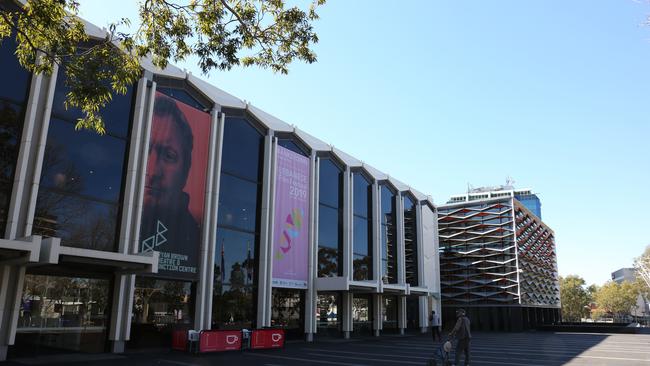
point(52, 252)
point(332, 284)
point(20, 251)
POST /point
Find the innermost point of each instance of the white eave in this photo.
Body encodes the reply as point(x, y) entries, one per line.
point(376, 174)
point(269, 121)
point(215, 94)
point(311, 141)
point(346, 159)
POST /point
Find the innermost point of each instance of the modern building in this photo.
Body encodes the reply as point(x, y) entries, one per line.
point(195, 210)
point(498, 262)
point(525, 196)
point(624, 274)
point(641, 310)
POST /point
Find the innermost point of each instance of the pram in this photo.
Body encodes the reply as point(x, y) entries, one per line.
point(441, 355)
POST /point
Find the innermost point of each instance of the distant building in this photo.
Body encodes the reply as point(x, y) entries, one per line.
point(623, 275)
point(498, 262)
point(525, 196)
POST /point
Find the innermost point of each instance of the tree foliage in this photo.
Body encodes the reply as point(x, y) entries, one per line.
point(617, 299)
point(575, 298)
point(220, 33)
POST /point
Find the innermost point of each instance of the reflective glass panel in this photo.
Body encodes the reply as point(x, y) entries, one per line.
point(238, 203)
point(362, 314)
point(13, 98)
point(242, 149)
point(63, 313)
point(288, 311)
point(330, 184)
point(410, 242)
point(328, 316)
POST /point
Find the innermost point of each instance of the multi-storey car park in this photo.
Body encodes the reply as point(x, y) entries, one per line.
point(195, 210)
point(498, 262)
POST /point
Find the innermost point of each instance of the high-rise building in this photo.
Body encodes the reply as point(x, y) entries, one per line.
point(624, 274)
point(498, 262)
point(525, 196)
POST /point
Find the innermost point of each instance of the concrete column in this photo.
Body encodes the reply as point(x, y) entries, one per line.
point(11, 287)
point(346, 316)
point(20, 215)
point(378, 312)
point(376, 233)
point(124, 284)
point(420, 246)
point(311, 296)
point(401, 314)
point(203, 319)
point(265, 262)
point(401, 248)
point(347, 224)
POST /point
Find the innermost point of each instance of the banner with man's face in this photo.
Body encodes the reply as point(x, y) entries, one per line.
point(291, 225)
point(174, 193)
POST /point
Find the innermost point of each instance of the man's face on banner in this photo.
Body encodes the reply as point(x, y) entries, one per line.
point(165, 173)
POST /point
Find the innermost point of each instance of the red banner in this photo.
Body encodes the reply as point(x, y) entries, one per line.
point(267, 338)
point(220, 340)
point(179, 340)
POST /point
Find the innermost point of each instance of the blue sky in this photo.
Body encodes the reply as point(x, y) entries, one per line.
point(440, 94)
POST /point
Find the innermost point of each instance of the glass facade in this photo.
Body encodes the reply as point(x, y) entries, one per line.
point(328, 315)
point(288, 311)
point(389, 312)
point(159, 307)
point(330, 219)
point(410, 241)
point(362, 227)
point(362, 314)
point(14, 91)
point(63, 314)
point(79, 196)
point(388, 236)
point(238, 230)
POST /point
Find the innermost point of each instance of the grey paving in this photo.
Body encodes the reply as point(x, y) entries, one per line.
point(508, 349)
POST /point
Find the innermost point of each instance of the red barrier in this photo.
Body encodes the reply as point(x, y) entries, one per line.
point(179, 340)
point(220, 340)
point(267, 338)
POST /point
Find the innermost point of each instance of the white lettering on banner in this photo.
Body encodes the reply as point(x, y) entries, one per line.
point(172, 262)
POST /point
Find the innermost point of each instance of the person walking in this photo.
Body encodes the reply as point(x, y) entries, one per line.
point(463, 334)
point(434, 320)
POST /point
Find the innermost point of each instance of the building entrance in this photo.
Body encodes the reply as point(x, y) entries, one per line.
point(62, 314)
point(288, 311)
point(159, 307)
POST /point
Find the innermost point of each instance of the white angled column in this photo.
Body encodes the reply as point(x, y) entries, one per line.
point(311, 295)
point(265, 262)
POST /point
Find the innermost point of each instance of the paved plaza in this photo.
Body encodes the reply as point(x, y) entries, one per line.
point(515, 349)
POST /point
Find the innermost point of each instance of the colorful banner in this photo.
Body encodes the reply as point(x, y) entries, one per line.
point(291, 220)
point(174, 195)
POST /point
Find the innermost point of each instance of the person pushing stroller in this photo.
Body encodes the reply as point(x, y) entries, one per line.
point(463, 335)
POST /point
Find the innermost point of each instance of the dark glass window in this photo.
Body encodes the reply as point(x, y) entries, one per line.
point(14, 90)
point(288, 311)
point(328, 315)
point(63, 314)
point(362, 228)
point(410, 242)
point(80, 192)
point(159, 307)
point(362, 314)
point(388, 235)
point(242, 149)
point(183, 96)
point(389, 312)
point(235, 281)
point(291, 145)
point(330, 219)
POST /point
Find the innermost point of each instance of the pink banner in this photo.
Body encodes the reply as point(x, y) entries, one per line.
point(291, 220)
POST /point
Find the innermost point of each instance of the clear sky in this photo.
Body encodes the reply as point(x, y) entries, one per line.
point(440, 94)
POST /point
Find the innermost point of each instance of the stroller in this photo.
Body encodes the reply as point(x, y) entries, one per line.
point(441, 355)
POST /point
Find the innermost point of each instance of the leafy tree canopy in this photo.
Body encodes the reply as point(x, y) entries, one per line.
point(575, 298)
point(221, 33)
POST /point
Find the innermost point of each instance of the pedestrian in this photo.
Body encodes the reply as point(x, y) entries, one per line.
point(434, 319)
point(462, 333)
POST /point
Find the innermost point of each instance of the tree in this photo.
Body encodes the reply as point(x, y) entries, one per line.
point(48, 32)
point(575, 298)
point(616, 299)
